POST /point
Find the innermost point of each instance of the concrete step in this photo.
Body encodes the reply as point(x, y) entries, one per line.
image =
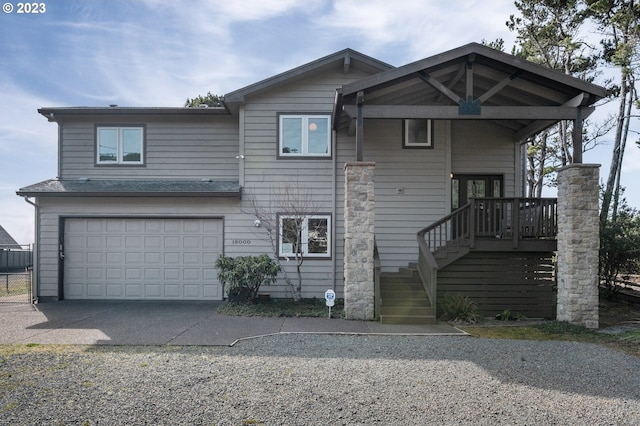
point(409, 272)
point(398, 277)
point(400, 286)
point(403, 295)
point(425, 311)
point(403, 299)
point(405, 319)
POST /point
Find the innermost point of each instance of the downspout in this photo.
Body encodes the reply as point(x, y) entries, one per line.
point(334, 181)
point(35, 283)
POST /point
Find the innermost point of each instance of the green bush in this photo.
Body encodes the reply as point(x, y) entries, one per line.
point(619, 247)
point(457, 307)
point(242, 276)
point(507, 315)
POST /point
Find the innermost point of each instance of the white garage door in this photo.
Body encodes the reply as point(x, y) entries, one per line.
point(131, 258)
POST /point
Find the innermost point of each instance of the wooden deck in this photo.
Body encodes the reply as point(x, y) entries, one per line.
point(497, 251)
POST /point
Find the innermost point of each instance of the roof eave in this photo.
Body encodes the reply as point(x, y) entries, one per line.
point(129, 194)
point(53, 113)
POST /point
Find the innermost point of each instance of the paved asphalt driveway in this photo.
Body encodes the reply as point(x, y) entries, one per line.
point(168, 323)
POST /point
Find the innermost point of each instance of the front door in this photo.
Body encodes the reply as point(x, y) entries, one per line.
point(464, 187)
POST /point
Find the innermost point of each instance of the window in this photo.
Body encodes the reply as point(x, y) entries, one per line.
point(417, 134)
point(304, 136)
point(307, 236)
point(119, 145)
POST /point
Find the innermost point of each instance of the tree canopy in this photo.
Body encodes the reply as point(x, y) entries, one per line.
point(209, 100)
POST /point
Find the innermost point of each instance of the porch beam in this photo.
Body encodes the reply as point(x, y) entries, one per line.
point(539, 126)
point(452, 83)
point(532, 129)
point(441, 87)
point(554, 113)
point(499, 86)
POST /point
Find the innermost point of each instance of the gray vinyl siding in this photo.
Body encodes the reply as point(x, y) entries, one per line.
point(238, 226)
point(210, 150)
point(264, 172)
point(187, 149)
point(484, 148)
point(422, 176)
point(410, 188)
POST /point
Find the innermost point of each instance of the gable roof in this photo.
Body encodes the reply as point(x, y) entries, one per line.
point(344, 59)
point(473, 52)
point(473, 82)
point(7, 241)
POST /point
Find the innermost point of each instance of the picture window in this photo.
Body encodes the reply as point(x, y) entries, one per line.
point(304, 136)
point(307, 236)
point(120, 145)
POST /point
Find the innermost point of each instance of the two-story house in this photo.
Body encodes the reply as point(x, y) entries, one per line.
point(425, 155)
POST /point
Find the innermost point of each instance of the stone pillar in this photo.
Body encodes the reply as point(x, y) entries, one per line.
point(359, 223)
point(578, 244)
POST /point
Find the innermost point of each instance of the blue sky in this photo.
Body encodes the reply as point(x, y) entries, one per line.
point(158, 53)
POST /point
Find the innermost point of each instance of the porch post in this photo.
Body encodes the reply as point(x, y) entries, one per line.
point(360, 128)
point(359, 222)
point(578, 244)
point(577, 136)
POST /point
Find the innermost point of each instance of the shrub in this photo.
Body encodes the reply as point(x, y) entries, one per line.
point(458, 308)
point(507, 315)
point(619, 248)
point(244, 275)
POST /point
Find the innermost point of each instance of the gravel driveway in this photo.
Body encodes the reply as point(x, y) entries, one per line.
point(323, 380)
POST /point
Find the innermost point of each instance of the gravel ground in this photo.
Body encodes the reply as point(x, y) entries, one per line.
point(323, 380)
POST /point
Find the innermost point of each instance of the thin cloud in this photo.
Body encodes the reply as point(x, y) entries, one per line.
point(420, 28)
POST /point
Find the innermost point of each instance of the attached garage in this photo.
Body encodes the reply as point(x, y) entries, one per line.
point(142, 258)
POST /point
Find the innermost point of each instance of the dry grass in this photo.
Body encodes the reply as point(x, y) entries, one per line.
point(613, 313)
point(14, 285)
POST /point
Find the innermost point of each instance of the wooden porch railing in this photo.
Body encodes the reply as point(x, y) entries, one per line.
point(428, 270)
point(511, 219)
point(498, 218)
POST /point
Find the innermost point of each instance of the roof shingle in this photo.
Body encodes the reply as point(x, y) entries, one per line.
point(132, 188)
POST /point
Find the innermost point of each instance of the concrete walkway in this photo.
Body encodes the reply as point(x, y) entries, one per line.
point(169, 323)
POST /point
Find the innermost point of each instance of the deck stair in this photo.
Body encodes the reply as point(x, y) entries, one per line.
point(451, 252)
point(403, 298)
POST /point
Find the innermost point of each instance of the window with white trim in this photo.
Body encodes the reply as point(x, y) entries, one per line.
point(418, 133)
point(304, 135)
point(120, 145)
point(307, 236)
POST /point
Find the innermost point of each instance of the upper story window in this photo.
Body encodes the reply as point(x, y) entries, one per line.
point(417, 133)
point(304, 135)
point(120, 145)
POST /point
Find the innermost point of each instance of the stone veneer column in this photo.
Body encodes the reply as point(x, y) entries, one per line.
point(359, 222)
point(578, 244)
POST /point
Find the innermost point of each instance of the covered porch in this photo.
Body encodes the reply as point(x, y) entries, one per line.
point(478, 84)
